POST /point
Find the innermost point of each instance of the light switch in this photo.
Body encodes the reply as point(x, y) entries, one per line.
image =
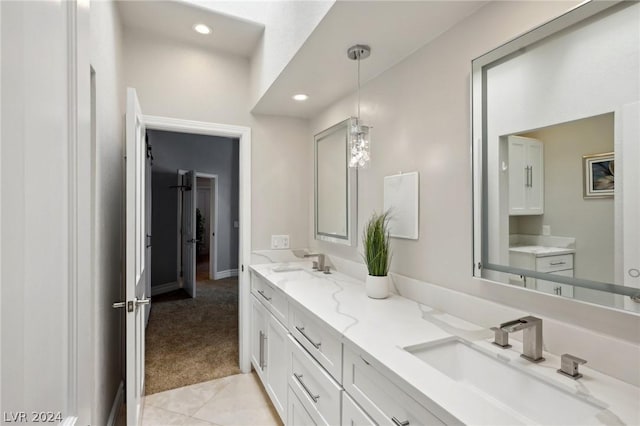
point(279, 241)
point(546, 229)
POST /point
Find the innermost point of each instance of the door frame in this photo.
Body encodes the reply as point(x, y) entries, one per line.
point(243, 134)
point(213, 223)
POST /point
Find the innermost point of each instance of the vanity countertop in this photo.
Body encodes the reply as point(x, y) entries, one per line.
point(380, 329)
point(541, 251)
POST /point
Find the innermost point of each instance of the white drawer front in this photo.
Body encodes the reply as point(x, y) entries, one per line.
point(324, 346)
point(384, 401)
point(554, 263)
point(317, 391)
point(297, 415)
point(352, 415)
point(272, 298)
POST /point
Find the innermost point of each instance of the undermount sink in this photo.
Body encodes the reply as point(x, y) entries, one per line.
point(506, 386)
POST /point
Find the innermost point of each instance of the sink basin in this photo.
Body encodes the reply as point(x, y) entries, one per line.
point(506, 386)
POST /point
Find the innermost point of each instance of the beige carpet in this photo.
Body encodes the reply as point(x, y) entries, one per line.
point(192, 340)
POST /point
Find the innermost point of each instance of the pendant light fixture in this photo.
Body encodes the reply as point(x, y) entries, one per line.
point(359, 154)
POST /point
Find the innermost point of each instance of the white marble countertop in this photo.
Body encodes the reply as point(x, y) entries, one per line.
point(380, 329)
point(542, 251)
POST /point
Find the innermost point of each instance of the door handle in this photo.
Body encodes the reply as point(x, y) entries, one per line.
point(131, 304)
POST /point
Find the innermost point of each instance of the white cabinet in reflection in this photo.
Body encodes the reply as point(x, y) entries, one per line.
point(551, 260)
point(526, 176)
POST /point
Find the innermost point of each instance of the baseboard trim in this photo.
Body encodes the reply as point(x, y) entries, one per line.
point(115, 408)
point(164, 288)
point(225, 274)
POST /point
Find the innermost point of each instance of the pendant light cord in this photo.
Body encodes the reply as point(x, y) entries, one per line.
point(358, 89)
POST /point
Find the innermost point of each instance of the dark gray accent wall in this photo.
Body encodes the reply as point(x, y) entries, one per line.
point(205, 154)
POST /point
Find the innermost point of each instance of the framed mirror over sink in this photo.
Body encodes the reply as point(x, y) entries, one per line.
point(335, 184)
point(556, 147)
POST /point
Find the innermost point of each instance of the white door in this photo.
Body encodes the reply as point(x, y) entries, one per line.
point(135, 283)
point(518, 173)
point(148, 241)
point(189, 195)
point(535, 190)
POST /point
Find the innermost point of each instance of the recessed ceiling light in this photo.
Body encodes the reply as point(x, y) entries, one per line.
point(202, 29)
point(300, 97)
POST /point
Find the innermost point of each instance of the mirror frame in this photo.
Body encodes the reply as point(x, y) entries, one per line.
point(479, 153)
point(350, 238)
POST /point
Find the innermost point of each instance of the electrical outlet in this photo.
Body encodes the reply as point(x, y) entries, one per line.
point(279, 241)
point(546, 229)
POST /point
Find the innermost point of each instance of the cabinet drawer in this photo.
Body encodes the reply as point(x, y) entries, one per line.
point(324, 346)
point(554, 263)
point(315, 388)
point(352, 415)
point(296, 413)
point(272, 298)
point(383, 400)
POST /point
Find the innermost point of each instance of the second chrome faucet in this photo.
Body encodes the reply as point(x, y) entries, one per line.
point(531, 339)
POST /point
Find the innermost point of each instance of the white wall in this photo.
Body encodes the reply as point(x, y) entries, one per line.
point(106, 60)
point(34, 204)
point(180, 81)
point(420, 112)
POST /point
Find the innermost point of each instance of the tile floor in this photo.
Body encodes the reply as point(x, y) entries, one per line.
point(231, 401)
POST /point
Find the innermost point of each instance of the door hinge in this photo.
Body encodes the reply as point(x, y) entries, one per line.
point(479, 265)
point(242, 268)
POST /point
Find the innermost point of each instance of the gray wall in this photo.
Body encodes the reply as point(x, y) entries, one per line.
point(206, 154)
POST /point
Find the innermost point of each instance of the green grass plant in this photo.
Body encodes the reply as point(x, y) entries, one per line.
point(375, 237)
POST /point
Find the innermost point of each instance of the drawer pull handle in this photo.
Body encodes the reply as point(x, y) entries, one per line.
point(298, 377)
point(263, 337)
point(399, 423)
point(557, 263)
point(262, 294)
point(315, 345)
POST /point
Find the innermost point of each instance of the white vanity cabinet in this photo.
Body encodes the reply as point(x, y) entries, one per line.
point(526, 176)
point(382, 399)
point(556, 264)
point(269, 347)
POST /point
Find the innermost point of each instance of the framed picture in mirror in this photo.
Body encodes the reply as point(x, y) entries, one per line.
point(599, 175)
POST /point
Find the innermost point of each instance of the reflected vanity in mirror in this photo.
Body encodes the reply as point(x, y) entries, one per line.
point(556, 141)
point(335, 186)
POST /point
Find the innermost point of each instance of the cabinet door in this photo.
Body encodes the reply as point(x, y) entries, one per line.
point(258, 336)
point(296, 413)
point(518, 175)
point(276, 369)
point(551, 287)
point(526, 176)
point(535, 190)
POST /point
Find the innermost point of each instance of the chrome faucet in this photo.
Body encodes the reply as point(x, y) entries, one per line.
point(320, 257)
point(531, 338)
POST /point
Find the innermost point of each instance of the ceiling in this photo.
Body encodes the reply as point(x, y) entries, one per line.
point(321, 68)
point(175, 20)
point(394, 29)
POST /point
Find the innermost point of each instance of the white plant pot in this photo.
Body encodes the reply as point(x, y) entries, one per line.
point(377, 287)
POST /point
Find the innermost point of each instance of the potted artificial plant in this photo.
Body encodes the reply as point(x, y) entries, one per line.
point(377, 255)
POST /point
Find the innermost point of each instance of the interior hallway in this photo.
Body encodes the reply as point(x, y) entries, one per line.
point(189, 340)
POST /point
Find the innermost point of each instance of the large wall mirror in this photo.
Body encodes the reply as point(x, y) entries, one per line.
point(335, 186)
point(556, 141)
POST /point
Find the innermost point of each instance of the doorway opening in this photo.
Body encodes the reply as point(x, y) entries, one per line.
point(193, 330)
